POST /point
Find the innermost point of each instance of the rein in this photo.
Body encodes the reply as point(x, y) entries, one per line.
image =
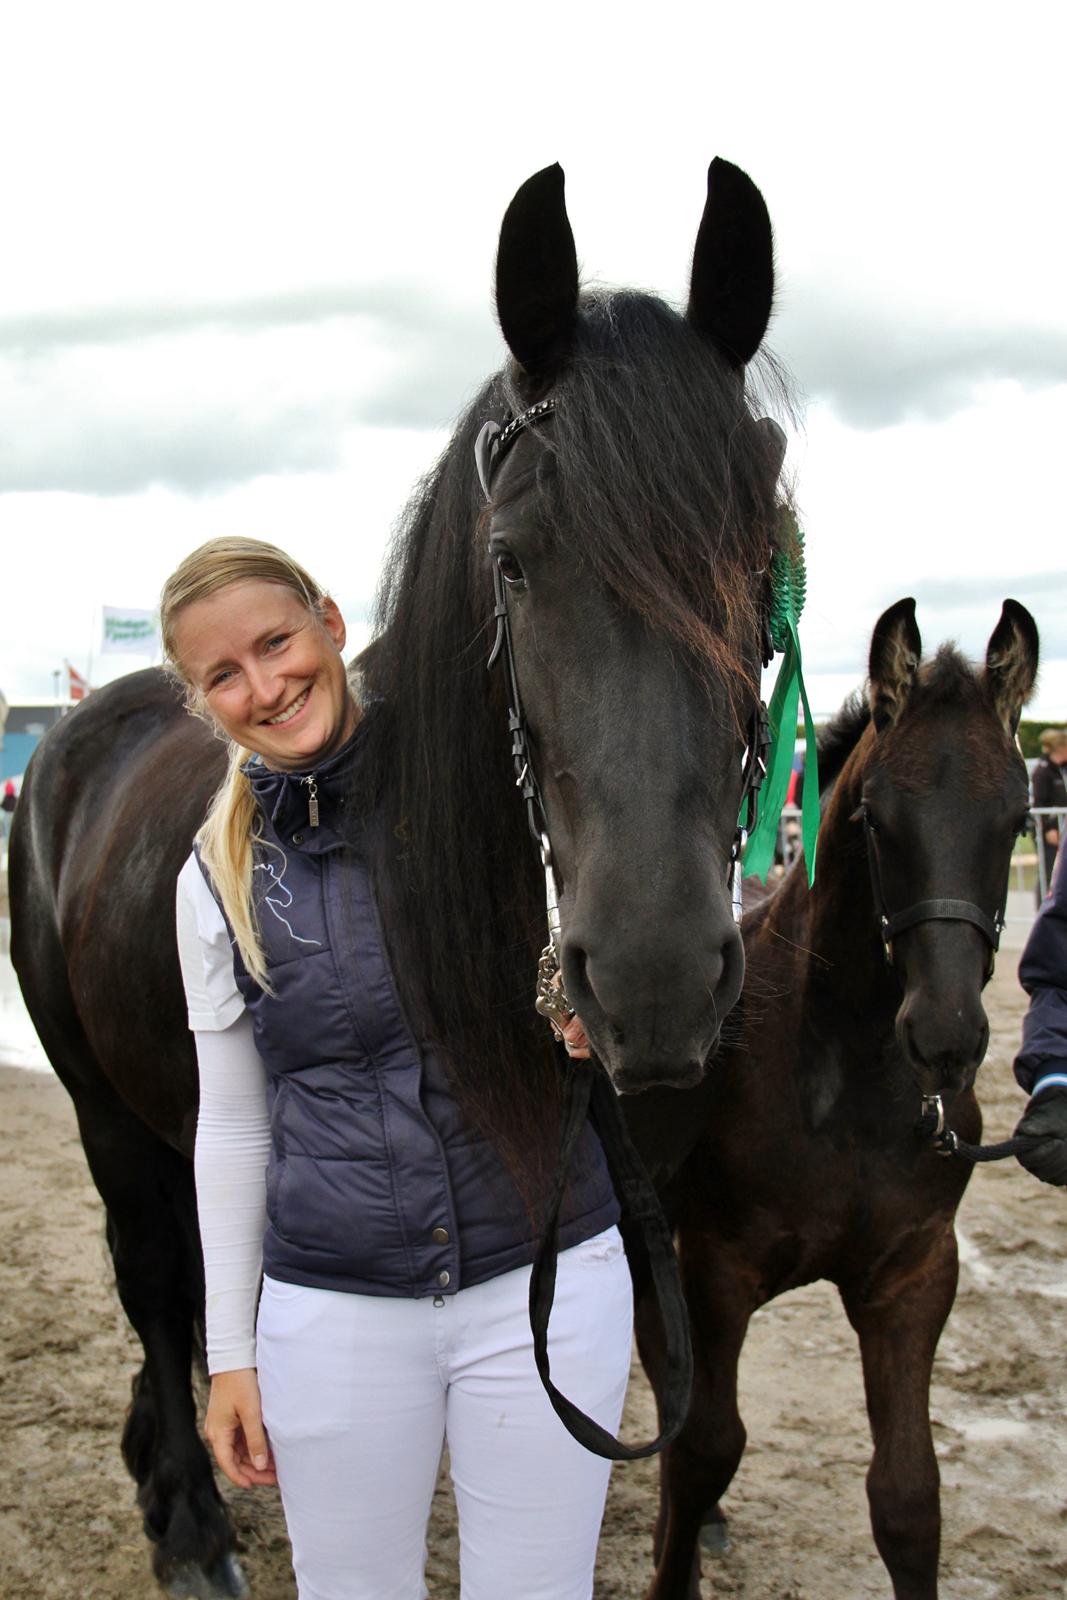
point(589, 1092)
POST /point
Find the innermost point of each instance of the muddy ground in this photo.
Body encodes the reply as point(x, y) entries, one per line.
point(69, 1528)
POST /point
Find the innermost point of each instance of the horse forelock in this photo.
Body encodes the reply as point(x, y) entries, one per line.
point(947, 709)
point(661, 480)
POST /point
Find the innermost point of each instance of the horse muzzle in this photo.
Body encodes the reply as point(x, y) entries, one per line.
point(652, 1015)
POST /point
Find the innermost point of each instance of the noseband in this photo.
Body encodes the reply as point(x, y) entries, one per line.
point(892, 923)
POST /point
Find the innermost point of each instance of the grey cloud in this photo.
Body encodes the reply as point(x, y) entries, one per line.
point(110, 400)
point(877, 366)
point(396, 307)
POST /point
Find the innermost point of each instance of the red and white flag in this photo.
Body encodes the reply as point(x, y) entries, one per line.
point(77, 686)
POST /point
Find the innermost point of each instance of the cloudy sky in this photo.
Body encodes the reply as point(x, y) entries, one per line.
point(245, 281)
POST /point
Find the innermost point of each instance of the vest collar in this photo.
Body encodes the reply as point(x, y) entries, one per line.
point(284, 797)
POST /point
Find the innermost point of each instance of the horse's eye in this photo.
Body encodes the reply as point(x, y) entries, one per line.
point(510, 570)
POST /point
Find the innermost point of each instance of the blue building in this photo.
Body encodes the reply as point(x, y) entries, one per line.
point(25, 726)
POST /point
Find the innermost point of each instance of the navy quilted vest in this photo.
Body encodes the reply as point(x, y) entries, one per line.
point(377, 1183)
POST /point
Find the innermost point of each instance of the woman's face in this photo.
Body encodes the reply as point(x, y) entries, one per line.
point(269, 670)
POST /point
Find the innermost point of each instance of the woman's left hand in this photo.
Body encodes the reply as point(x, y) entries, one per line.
point(577, 1045)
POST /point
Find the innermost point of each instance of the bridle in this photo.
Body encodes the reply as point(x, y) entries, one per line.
point(492, 444)
point(932, 1124)
point(892, 923)
point(590, 1092)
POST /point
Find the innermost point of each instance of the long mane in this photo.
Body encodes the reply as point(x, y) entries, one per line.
point(654, 470)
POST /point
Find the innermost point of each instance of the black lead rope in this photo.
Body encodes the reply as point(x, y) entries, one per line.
point(931, 1125)
point(589, 1091)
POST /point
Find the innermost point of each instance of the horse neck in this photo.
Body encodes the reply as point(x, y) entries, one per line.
point(848, 977)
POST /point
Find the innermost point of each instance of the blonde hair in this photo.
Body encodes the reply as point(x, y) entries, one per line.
point(232, 822)
point(1053, 739)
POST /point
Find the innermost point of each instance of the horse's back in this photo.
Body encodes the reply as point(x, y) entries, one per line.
point(111, 800)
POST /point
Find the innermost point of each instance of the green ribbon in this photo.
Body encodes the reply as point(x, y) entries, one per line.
point(788, 583)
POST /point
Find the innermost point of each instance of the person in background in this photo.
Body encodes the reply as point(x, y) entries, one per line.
point(7, 807)
point(1049, 788)
point(1041, 1065)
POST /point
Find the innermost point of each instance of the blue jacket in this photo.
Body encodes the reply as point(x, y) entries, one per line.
point(377, 1182)
point(1043, 974)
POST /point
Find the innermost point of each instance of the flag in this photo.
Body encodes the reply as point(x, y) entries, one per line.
point(77, 686)
point(135, 632)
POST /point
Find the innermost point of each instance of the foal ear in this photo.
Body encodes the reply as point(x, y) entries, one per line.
point(537, 275)
point(896, 650)
point(732, 283)
point(1011, 663)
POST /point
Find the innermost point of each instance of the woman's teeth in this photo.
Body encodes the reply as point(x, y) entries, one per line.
point(290, 711)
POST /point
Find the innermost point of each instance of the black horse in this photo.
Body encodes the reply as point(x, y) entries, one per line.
point(815, 1160)
point(631, 526)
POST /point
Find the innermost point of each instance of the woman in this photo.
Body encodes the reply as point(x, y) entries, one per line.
point(334, 1156)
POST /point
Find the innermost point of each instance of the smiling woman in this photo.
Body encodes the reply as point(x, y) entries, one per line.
point(333, 1156)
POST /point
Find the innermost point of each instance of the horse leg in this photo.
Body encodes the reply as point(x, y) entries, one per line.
point(697, 1469)
point(899, 1324)
point(147, 1189)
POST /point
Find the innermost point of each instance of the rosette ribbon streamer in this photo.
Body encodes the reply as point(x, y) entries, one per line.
point(788, 586)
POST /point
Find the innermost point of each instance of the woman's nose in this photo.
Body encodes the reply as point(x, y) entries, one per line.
point(267, 685)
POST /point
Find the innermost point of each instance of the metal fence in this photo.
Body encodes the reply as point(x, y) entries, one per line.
point(1029, 868)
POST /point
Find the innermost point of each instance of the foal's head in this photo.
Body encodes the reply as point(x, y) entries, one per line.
point(940, 789)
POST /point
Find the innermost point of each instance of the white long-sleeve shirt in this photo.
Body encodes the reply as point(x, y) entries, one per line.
point(233, 1129)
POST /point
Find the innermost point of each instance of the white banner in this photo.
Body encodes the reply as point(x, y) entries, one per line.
point(133, 632)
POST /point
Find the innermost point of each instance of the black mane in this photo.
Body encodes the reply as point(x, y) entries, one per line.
point(840, 736)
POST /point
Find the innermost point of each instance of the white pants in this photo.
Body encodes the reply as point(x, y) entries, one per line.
point(360, 1392)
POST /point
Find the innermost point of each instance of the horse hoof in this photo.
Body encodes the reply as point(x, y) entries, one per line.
point(715, 1535)
point(223, 1581)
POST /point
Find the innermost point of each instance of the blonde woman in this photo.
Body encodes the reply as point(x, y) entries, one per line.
point(336, 1166)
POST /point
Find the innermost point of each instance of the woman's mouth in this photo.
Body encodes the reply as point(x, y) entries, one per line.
point(290, 711)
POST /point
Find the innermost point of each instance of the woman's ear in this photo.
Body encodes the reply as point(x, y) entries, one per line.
point(333, 622)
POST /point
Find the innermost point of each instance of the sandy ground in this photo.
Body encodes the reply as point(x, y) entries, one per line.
point(69, 1528)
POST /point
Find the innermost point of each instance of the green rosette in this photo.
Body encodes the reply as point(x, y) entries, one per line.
point(788, 587)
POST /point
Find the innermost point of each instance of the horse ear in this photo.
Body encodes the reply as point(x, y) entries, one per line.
point(732, 283)
point(1011, 663)
point(896, 650)
point(537, 275)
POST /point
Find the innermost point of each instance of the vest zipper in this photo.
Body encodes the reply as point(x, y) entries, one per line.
point(313, 802)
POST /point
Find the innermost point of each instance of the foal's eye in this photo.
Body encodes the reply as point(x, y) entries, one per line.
point(510, 570)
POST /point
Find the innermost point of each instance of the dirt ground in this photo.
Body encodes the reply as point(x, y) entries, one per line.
point(69, 1528)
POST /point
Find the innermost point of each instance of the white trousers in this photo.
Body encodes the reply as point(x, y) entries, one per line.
point(360, 1393)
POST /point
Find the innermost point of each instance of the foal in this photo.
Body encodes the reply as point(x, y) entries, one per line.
point(811, 1165)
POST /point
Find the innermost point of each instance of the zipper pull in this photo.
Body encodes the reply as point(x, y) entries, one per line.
point(313, 802)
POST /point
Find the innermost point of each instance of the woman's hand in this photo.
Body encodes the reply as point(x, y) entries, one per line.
point(235, 1431)
point(575, 1041)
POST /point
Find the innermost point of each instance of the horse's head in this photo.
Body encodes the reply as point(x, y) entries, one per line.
point(632, 524)
point(942, 797)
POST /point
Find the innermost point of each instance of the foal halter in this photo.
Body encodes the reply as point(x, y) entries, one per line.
point(892, 923)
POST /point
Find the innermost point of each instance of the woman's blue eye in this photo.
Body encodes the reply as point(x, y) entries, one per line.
point(279, 638)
